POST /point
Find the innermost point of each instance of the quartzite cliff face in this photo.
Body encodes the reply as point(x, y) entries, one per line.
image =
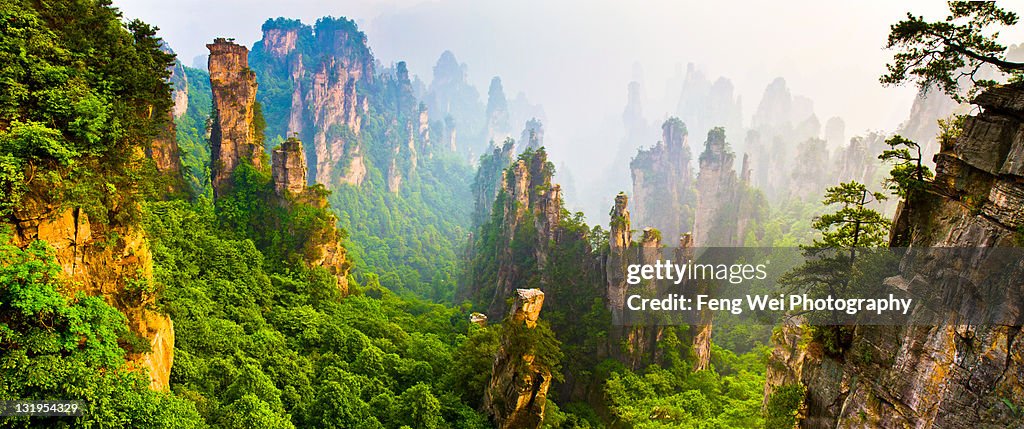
point(488, 181)
point(323, 247)
point(233, 137)
point(633, 345)
point(663, 194)
point(321, 80)
point(953, 375)
point(517, 392)
point(532, 208)
point(103, 260)
point(724, 204)
point(325, 108)
point(163, 150)
point(289, 168)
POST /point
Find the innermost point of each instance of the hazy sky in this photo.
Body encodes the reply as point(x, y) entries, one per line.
point(576, 57)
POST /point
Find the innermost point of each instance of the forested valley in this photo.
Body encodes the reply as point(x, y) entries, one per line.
point(300, 235)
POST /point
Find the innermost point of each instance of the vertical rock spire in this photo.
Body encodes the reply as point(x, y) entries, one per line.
point(663, 195)
point(289, 168)
point(517, 392)
point(233, 137)
point(717, 193)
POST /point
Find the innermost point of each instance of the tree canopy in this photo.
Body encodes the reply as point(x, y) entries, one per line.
point(949, 54)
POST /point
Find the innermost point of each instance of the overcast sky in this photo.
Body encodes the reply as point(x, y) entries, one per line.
point(576, 57)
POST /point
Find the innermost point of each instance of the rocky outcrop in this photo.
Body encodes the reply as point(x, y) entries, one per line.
point(163, 150)
point(620, 238)
point(930, 105)
point(528, 195)
point(663, 192)
point(498, 125)
point(835, 132)
point(289, 168)
point(858, 160)
point(319, 69)
point(789, 352)
point(330, 254)
point(166, 156)
point(725, 208)
point(638, 130)
point(781, 122)
point(423, 128)
point(634, 345)
point(700, 345)
point(619, 241)
point(811, 174)
point(179, 89)
point(323, 82)
point(334, 110)
point(450, 133)
point(774, 112)
point(517, 392)
point(922, 125)
point(487, 183)
point(533, 135)
point(716, 217)
point(409, 135)
point(394, 177)
point(478, 319)
point(179, 84)
point(522, 111)
point(452, 99)
point(704, 104)
point(948, 374)
point(113, 262)
point(323, 248)
point(233, 137)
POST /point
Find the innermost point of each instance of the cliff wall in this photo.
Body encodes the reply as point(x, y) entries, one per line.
point(950, 374)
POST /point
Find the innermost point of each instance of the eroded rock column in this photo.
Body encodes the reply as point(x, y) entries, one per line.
point(233, 138)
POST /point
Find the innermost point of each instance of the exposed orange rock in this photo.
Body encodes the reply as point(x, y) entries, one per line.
point(166, 156)
point(289, 168)
point(517, 392)
point(102, 260)
point(527, 186)
point(233, 137)
point(324, 249)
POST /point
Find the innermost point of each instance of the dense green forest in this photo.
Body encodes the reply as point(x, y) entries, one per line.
point(192, 130)
point(410, 239)
point(279, 347)
point(103, 249)
point(77, 81)
point(263, 341)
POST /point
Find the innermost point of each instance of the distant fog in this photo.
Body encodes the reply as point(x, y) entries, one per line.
point(577, 58)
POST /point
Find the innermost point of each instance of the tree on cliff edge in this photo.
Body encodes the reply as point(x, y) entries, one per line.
point(950, 53)
point(841, 262)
